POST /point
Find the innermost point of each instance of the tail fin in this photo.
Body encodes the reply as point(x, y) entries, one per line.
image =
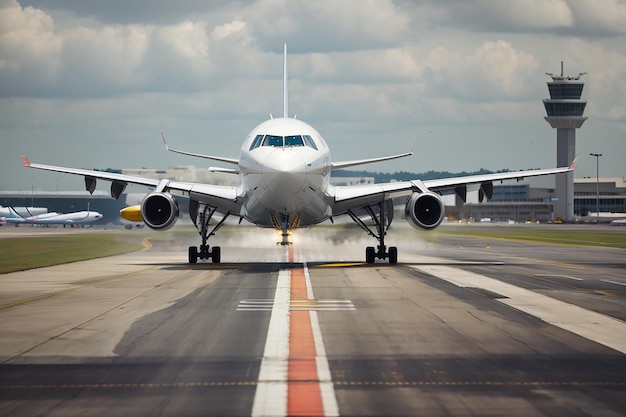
point(285, 91)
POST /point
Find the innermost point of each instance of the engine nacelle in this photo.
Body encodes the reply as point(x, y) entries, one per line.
point(424, 210)
point(159, 211)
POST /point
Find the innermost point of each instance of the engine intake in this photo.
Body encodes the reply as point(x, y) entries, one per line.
point(159, 211)
point(424, 210)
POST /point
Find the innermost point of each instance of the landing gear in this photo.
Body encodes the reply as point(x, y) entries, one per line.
point(201, 219)
point(381, 216)
point(204, 252)
point(285, 224)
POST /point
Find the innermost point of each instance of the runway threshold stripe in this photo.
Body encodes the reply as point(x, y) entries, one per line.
point(294, 378)
point(591, 325)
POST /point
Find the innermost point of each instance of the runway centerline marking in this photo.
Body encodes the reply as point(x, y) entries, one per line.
point(591, 325)
point(294, 378)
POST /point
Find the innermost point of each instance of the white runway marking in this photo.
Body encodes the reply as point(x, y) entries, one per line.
point(557, 276)
point(614, 282)
point(270, 398)
point(594, 326)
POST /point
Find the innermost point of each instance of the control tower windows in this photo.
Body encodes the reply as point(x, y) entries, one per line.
point(564, 109)
point(564, 91)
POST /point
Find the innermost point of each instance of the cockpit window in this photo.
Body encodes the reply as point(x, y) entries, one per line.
point(256, 142)
point(283, 141)
point(271, 140)
point(309, 142)
point(295, 140)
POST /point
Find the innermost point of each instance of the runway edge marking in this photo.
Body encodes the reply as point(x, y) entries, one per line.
point(591, 325)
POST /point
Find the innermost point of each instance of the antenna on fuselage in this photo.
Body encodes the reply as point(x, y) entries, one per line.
point(285, 91)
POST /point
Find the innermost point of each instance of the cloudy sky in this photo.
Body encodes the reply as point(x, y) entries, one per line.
point(92, 83)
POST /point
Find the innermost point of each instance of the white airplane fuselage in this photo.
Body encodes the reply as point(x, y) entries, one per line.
point(285, 182)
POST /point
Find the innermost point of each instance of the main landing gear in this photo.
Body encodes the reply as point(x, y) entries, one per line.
point(201, 219)
point(381, 215)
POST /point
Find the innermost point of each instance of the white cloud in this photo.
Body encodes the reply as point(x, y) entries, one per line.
point(494, 69)
point(29, 47)
point(327, 25)
point(361, 72)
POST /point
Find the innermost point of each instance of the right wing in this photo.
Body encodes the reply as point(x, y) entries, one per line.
point(225, 198)
point(199, 155)
point(356, 196)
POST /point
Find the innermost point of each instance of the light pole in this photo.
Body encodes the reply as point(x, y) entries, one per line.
point(597, 155)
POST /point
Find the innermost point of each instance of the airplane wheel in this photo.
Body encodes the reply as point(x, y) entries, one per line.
point(193, 254)
point(216, 254)
point(370, 254)
point(393, 255)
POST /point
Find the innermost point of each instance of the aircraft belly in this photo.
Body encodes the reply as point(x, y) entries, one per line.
point(308, 205)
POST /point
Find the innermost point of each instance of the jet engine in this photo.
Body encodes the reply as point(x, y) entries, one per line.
point(424, 210)
point(159, 210)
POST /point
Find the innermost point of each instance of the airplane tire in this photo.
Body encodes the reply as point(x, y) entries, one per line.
point(193, 254)
point(370, 254)
point(393, 255)
point(216, 255)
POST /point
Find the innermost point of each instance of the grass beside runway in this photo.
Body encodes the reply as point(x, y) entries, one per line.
point(18, 254)
point(555, 235)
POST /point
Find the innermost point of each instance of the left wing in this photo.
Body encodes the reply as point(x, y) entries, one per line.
point(224, 198)
point(355, 196)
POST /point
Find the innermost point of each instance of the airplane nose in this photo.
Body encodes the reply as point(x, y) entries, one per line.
point(284, 171)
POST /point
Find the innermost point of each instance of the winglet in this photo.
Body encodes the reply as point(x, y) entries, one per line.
point(25, 161)
point(573, 164)
point(167, 148)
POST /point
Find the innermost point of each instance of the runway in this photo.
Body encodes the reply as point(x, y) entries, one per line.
point(459, 327)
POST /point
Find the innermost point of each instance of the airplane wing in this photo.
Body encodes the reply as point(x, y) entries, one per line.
point(356, 196)
point(199, 155)
point(224, 198)
point(346, 164)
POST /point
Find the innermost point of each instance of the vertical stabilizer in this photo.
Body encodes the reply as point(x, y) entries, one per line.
point(285, 91)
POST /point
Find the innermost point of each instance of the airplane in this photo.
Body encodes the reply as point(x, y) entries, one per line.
point(79, 217)
point(284, 167)
point(12, 211)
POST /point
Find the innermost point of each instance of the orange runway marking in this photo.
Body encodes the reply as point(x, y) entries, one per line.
point(304, 397)
point(298, 285)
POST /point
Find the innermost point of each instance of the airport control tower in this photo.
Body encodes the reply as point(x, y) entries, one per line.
point(565, 114)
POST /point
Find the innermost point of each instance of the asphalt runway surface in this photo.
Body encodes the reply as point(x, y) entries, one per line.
point(459, 327)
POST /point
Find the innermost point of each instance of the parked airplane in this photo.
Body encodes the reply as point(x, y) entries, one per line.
point(284, 166)
point(12, 211)
point(79, 217)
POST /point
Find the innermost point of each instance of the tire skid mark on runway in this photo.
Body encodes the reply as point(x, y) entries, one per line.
point(91, 319)
point(294, 378)
point(73, 289)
